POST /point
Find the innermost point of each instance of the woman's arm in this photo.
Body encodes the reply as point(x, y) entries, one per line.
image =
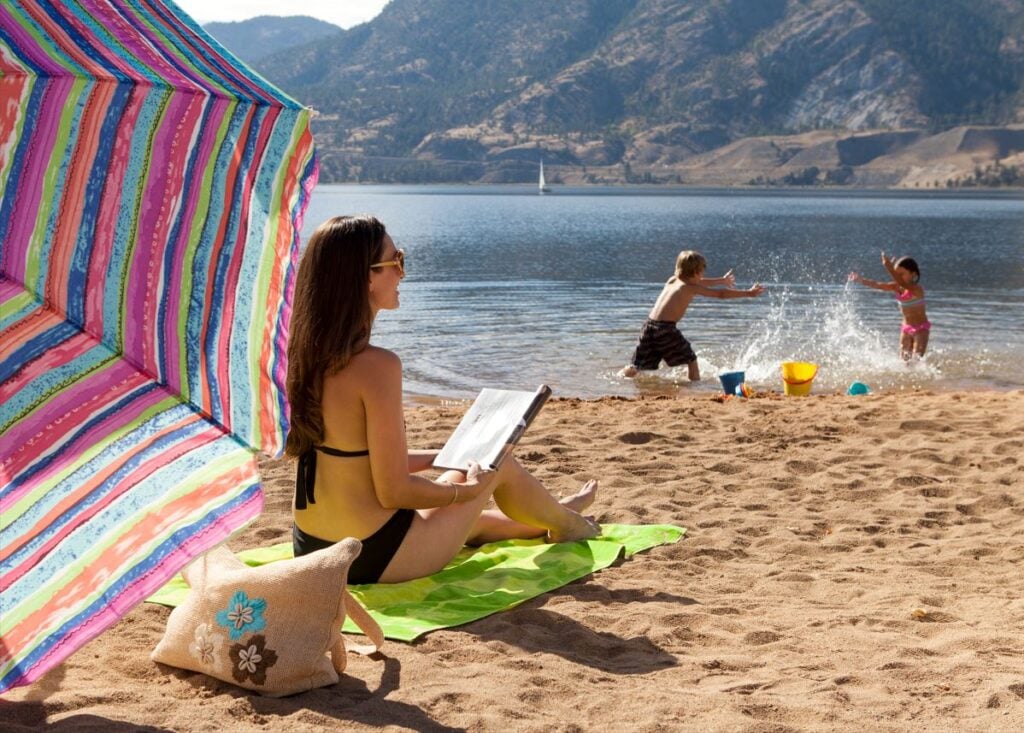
point(390, 461)
point(421, 460)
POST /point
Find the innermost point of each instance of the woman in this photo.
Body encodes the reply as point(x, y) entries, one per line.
point(356, 477)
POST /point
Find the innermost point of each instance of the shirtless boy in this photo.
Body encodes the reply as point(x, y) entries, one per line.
point(660, 338)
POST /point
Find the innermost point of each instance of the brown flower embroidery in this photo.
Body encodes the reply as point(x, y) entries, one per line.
point(251, 659)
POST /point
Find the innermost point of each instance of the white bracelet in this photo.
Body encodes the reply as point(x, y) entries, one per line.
point(455, 495)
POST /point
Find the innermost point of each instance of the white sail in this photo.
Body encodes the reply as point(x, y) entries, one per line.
point(541, 185)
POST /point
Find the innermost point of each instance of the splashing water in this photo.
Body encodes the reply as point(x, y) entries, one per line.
point(821, 325)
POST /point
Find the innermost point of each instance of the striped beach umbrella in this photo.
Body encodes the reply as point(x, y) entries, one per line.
point(151, 195)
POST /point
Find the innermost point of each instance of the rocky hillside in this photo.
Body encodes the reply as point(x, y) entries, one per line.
point(257, 38)
point(663, 90)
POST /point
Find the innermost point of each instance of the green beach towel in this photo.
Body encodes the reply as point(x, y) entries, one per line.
point(477, 582)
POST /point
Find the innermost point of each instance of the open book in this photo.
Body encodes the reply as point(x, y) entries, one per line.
point(490, 428)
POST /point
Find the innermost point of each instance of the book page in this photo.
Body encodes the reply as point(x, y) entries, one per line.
point(490, 423)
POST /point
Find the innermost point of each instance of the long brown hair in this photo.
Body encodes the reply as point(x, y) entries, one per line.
point(331, 317)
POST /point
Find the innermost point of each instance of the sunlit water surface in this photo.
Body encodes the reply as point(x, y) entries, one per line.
point(508, 288)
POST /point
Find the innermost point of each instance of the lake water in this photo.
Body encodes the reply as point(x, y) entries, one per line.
point(506, 288)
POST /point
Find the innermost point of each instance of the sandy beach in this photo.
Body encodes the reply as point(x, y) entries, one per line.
point(852, 563)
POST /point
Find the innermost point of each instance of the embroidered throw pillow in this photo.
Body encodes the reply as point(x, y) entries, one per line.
point(269, 628)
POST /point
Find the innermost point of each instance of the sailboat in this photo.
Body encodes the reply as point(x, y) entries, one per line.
point(542, 187)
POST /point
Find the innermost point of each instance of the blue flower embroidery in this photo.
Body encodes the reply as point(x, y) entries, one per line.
point(243, 615)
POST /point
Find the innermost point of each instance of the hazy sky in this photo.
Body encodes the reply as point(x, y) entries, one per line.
point(345, 13)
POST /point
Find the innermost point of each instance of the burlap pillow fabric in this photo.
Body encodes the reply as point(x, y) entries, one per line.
point(269, 628)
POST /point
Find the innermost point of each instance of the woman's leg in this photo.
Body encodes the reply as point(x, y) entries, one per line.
point(523, 498)
point(436, 535)
point(493, 525)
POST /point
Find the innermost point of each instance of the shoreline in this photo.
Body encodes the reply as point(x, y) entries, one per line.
point(709, 391)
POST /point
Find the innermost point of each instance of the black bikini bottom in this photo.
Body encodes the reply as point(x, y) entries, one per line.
point(378, 548)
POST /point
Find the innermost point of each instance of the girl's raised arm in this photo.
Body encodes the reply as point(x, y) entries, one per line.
point(887, 262)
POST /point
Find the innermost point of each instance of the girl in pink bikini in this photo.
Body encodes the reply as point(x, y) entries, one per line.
point(906, 285)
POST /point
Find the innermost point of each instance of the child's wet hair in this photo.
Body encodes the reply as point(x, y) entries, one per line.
point(910, 265)
point(689, 263)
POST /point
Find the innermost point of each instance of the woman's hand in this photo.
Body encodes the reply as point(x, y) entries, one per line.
point(729, 279)
point(854, 277)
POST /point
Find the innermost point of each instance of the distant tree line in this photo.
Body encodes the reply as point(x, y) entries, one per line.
point(809, 176)
point(990, 176)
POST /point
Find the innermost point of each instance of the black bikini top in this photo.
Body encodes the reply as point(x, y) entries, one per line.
point(305, 477)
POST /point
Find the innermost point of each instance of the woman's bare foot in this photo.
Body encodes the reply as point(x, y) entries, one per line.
point(583, 498)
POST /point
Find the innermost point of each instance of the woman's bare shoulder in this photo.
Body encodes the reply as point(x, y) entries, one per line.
point(375, 357)
point(371, 365)
point(374, 366)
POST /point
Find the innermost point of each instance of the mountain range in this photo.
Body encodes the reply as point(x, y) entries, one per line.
point(844, 92)
point(256, 38)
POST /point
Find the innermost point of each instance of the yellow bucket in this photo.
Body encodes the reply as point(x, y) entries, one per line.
point(797, 377)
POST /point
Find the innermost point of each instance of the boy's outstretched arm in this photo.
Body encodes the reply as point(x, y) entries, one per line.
point(727, 279)
point(728, 293)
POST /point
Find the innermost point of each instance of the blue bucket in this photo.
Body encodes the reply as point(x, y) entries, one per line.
point(731, 380)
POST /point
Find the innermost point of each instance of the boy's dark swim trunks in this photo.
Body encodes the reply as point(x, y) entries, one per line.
point(661, 340)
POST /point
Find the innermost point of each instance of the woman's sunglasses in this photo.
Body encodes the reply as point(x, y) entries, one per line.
point(398, 262)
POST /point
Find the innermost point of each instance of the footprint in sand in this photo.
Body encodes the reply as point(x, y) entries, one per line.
point(728, 469)
point(1000, 699)
point(894, 665)
point(912, 481)
point(795, 578)
point(1009, 448)
point(933, 617)
point(638, 438)
point(986, 505)
point(925, 426)
point(803, 468)
point(758, 638)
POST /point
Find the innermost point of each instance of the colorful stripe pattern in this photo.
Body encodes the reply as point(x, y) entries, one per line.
point(151, 195)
